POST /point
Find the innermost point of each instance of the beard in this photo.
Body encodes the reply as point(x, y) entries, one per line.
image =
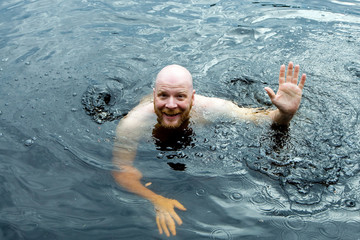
point(184, 117)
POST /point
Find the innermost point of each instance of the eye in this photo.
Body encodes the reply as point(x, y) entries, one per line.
point(181, 96)
point(162, 95)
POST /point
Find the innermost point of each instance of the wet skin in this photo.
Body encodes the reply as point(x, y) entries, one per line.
point(174, 102)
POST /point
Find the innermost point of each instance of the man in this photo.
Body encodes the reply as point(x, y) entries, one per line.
point(173, 104)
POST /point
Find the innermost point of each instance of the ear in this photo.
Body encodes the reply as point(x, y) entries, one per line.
point(193, 97)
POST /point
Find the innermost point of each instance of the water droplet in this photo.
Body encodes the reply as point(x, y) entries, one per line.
point(160, 155)
point(22, 116)
point(43, 113)
point(181, 154)
point(212, 148)
point(331, 189)
point(220, 234)
point(29, 142)
point(200, 192)
point(235, 196)
point(74, 94)
point(223, 146)
point(74, 109)
point(66, 148)
point(221, 157)
point(206, 140)
point(1, 134)
point(27, 63)
point(199, 154)
point(350, 203)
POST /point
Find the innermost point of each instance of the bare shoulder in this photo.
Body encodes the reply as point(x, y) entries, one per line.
point(210, 104)
point(212, 108)
point(139, 117)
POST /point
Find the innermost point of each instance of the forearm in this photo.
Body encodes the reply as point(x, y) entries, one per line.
point(129, 178)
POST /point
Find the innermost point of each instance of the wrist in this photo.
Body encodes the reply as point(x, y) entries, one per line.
point(280, 117)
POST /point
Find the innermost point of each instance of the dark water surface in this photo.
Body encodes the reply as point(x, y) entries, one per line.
point(70, 69)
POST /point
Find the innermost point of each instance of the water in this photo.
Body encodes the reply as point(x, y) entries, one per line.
point(61, 61)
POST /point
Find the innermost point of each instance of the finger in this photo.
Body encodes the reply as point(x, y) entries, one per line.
point(302, 81)
point(296, 74)
point(270, 92)
point(176, 217)
point(163, 225)
point(158, 225)
point(289, 74)
point(282, 75)
point(179, 206)
point(171, 224)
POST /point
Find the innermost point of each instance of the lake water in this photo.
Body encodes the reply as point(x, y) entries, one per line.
point(69, 70)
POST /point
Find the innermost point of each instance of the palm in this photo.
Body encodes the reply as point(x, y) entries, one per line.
point(165, 214)
point(288, 97)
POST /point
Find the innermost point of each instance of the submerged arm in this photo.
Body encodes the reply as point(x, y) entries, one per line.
point(128, 133)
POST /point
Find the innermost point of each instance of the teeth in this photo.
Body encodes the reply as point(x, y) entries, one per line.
point(171, 115)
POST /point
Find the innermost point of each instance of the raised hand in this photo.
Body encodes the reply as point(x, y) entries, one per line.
point(288, 97)
point(165, 214)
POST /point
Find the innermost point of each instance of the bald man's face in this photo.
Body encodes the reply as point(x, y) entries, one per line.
point(173, 97)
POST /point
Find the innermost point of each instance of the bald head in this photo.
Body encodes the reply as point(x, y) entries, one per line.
point(174, 75)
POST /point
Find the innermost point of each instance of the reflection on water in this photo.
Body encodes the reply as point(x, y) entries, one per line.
point(69, 70)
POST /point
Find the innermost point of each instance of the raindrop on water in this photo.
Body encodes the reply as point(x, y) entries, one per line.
point(350, 203)
point(235, 196)
point(220, 234)
point(200, 192)
point(199, 154)
point(29, 142)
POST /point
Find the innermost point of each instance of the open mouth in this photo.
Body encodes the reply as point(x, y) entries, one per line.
point(171, 114)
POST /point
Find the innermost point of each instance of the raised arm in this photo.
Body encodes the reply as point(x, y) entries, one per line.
point(288, 97)
point(287, 100)
point(127, 135)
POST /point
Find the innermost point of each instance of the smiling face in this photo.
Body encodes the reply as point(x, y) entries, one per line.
point(173, 96)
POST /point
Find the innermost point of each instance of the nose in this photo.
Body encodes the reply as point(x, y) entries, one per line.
point(171, 103)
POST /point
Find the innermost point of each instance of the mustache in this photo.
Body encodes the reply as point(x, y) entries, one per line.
point(171, 112)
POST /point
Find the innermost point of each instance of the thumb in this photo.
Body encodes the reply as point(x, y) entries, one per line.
point(270, 92)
